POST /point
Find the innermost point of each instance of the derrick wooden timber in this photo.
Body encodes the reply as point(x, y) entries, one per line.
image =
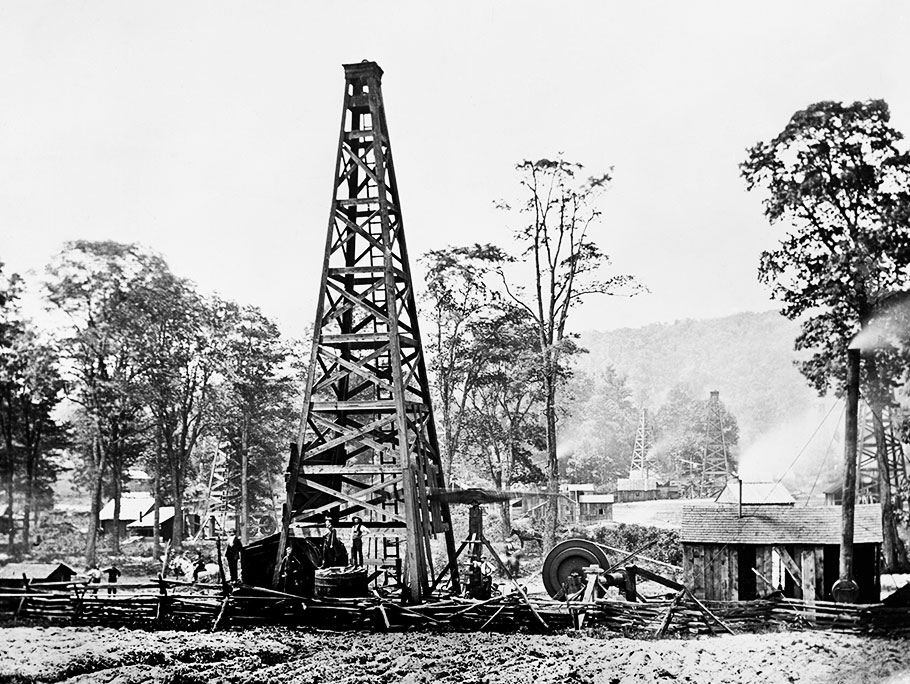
point(367, 443)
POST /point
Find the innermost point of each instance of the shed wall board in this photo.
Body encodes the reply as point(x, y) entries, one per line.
point(698, 570)
point(807, 570)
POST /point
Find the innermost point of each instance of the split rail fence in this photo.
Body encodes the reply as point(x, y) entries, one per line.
point(168, 604)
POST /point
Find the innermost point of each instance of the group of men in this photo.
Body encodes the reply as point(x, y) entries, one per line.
point(333, 553)
point(93, 576)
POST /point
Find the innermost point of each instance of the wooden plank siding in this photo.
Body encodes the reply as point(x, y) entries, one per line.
point(807, 569)
point(764, 566)
point(711, 571)
point(733, 572)
point(698, 570)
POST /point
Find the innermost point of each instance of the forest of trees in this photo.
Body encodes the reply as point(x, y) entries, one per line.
point(141, 366)
point(133, 368)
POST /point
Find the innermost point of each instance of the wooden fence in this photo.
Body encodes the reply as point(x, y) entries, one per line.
point(166, 604)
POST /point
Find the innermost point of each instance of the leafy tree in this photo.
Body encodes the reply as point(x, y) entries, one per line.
point(184, 350)
point(10, 330)
point(30, 387)
point(30, 399)
point(105, 290)
point(503, 429)
point(602, 427)
point(256, 407)
point(838, 179)
point(560, 209)
point(456, 299)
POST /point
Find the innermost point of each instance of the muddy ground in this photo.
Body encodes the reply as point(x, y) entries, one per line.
point(122, 656)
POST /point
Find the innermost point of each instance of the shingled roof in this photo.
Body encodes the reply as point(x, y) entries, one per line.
point(721, 524)
point(766, 493)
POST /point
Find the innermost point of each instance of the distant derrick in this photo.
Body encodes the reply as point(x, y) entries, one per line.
point(641, 485)
point(715, 466)
point(869, 476)
point(644, 440)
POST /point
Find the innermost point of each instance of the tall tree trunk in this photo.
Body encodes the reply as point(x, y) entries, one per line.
point(156, 518)
point(177, 538)
point(118, 491)
point(552, 518)
point(893, 552)
point(95, 515)
point(244, 481)
point(505, 509)
point(10, 491)
point(30, 466)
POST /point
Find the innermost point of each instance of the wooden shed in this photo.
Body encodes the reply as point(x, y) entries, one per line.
point(15, 574)
point(132, 507)
point(592, 507)
point(796, 549)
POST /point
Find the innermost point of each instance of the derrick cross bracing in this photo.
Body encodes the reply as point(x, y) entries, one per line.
point(644, 440)
point(367, 442)
point(715, 469)
point(879, 464)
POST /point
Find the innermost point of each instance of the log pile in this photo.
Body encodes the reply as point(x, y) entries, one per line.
point(166, 604)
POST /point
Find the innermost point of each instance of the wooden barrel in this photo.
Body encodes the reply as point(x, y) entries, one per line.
point(341, 582)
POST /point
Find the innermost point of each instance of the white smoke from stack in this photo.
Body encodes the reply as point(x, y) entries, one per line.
point(804, 452)
point(889, 328)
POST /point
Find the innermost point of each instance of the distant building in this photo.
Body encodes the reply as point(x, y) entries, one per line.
point(132, 507)
point(595, 507)
point(13, 575)
point(636, 489)
point(138, 480)
point(755, 493)
point(145, 526)
point(574, 501)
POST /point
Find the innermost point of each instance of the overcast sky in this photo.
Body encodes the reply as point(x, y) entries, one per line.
point(208, 131)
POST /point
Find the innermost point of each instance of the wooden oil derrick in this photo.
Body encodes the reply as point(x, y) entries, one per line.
point(715, 466)
point(644, 440)
point(367, 442)
point(868, 475)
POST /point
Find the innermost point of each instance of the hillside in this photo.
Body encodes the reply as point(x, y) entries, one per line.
point(748, 357)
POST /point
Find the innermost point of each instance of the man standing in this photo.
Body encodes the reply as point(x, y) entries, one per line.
point(93, 576)
point(113, 573)
point(329, 545)
point(357, 532)
point(233, 553)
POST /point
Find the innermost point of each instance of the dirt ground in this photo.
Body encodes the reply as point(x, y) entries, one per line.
point(111, 656)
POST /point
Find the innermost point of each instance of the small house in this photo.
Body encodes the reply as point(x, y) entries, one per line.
point(145, 526)
point(595, 507)
point(132, 507)
point(14, 575)
point(733, 552)
point(641, 488)
point(755, 493)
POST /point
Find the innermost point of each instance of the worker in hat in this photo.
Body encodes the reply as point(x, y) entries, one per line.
point(357, 532)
